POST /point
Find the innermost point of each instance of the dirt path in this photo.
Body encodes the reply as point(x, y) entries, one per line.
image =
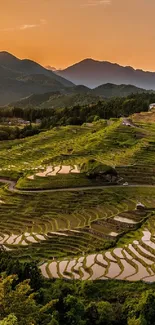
point(11, 184)
point(12, 187)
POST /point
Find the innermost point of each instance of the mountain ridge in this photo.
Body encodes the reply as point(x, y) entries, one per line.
point(93, 73)
point(23, 77)
point(77, 95)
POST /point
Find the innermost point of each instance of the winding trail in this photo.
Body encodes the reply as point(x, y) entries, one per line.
point(12, 187)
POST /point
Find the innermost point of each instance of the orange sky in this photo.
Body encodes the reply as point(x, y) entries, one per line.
point(62, 32)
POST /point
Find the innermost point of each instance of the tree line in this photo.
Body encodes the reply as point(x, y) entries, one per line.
point(26, 298)
point(113, 108)
point(76, 115)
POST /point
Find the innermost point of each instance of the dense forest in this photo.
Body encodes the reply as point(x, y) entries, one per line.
point(76, 115)
point(28, 299)
point(105, 109)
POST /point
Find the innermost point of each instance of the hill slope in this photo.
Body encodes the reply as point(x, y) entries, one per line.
point(111, 90)
point(56, 100)
point(20, 78)
point(93, 73)
point(77, 95)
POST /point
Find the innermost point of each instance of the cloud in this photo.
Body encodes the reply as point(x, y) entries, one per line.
point(95, 3)
point(24, 27)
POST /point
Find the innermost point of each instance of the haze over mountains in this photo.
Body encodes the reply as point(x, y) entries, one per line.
point(92, 73)
point(23, 78)
point(77, 95)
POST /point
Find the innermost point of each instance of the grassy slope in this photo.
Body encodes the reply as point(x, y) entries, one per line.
point(113, 144)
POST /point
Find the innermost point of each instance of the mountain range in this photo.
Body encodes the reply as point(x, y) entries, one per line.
point(25, 78)
point(77, 95)
point(92, 73)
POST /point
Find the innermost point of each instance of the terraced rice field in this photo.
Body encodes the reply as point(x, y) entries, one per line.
point(86, 233)
point(76, 228)
point(133, 262)
point(54, 170)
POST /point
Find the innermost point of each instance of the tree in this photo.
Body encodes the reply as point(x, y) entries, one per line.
point(92, 313)
point(146, 307)
point(105, 313)
point(134, 321)
point(10, 320)
point(18, 301)
point(74, 311)
point(142, 311)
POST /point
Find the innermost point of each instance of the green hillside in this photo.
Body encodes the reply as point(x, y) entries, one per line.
point(88, 165)
point(77, 207)
point(59, 97)
point(56, 100)
point(111, 90)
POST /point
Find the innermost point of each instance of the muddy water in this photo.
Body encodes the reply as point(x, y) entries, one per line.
point(18, 239)
point(149, 279)
point(114, 270)
point(45, 172)
point(31, 177)
point(118, 252)
point(90, 259)
point(77, 267)
point(101, 259)
point(127, 255)
point(58, 233)
point(146, 260)
point(62, 267)
point(142, 272)
point(75, 170)
point(145, 251)
point(128, 270)
point(24, 243)
point(98, 271)
point(53, 171)
point(113, 234)
point(65, 170)
point(85, 274)
point(40, 237)
point(147, 235)
point(149, 243)
point(4, 239)
point(31, 239)
point(110, 257)
point(11, 239)
point(43, 270)
point(53, 269)
point(126, 220)
point(70, 265)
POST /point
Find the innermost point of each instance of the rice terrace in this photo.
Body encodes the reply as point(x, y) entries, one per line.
point(77, 162)
point(80, 200)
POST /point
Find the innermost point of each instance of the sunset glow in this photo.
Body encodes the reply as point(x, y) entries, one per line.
point(62, 32)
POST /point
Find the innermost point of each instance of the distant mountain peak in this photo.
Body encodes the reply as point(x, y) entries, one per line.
point(21, 78)
point(5, 53)
point(8, 56)
point(92, 73)
point(48, 67)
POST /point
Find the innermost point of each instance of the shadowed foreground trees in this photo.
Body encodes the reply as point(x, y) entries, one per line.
point(17, 302)
point(24, 301)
